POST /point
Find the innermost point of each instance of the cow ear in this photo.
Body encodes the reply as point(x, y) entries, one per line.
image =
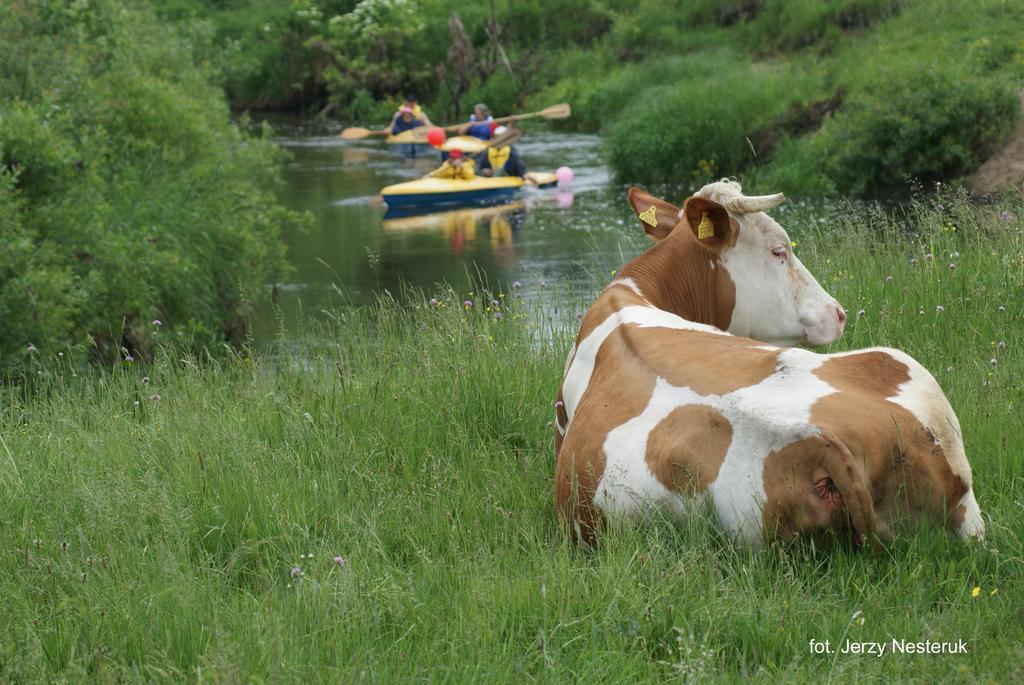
point(656, 216)
point(709, 222)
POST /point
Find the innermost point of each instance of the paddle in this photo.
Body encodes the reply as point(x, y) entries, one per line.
point(358, 133)
point(559, 111)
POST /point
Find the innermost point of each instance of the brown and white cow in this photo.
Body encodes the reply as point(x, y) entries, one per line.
point(669, 399)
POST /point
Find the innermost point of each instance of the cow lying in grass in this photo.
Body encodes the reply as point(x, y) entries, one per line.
point(661, 407)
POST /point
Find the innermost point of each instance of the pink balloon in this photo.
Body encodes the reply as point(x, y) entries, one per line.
point(564, 175)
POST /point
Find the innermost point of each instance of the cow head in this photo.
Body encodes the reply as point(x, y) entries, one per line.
point(776, 299)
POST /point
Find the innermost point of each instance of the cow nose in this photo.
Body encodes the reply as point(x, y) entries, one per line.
point(841, 315)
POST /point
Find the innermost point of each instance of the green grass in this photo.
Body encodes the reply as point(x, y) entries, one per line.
point(415, 441)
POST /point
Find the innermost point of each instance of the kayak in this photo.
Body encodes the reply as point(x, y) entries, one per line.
point(440, 192)
point(409, 144)
point(445, 192)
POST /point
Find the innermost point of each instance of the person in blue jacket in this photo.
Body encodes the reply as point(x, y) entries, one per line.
point(405, 119)
point(481, 124)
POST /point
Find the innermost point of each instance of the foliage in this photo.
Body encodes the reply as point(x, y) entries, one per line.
point(126, 196)
point(193, 535)
point(928, 126)
point(697, 129)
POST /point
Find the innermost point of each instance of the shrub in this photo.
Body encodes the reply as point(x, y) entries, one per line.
point(126, 195)
point(925, 124)
point(697, 128)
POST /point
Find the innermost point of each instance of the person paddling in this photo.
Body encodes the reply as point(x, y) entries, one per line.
point(457, 167)
point(481, 124)
point(502, 158)
point(417, 111)
point(405, 119)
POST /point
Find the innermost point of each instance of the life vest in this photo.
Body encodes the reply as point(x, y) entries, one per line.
point(480, 129)
point(462, 173)
point(498, 157)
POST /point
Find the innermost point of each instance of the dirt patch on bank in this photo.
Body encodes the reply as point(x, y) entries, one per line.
point(1003, 169)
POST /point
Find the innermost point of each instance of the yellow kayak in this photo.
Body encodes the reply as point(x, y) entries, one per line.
point(438, 192)
point(408, 137)
point(435, 192)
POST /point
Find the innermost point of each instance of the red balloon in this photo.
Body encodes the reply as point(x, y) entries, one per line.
point(435, 137)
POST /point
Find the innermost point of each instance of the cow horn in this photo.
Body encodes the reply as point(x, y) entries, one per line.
point(748, 204)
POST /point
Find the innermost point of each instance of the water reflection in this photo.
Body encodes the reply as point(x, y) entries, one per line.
point(497, 225)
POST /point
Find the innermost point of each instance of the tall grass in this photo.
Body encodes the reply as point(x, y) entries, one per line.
point(181, 521)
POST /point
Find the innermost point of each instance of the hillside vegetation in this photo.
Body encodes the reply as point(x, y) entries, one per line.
point(131, 209)
point(815, 97)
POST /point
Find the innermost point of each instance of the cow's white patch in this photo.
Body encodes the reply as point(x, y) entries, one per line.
point(973, 526)
point(765, 418)
point(627, 282)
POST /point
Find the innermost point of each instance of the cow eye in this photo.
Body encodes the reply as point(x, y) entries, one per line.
point(779, 251)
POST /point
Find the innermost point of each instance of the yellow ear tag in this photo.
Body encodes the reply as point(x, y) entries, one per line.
point(649, 216)
point(705, 229)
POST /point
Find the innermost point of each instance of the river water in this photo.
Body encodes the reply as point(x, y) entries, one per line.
point(569, 237)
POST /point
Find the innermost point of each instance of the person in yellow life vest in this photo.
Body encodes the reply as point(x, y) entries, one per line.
point(417, 111)
point(501, 158)
point(456, 167)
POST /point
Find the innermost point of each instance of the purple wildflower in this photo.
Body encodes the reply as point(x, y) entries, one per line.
point(31, 349)
point(296, 572)
point(340, 561)
point(433, 302)
point(1005, 216)
point(559, 404)
point(467, 304)
point(157, 322)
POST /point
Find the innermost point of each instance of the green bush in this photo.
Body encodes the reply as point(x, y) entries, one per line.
point(923, 124)
point(699, 128)
point(795, 24)
point(126, 195)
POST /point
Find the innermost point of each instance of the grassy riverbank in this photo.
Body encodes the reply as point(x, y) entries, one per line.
point(157, 520)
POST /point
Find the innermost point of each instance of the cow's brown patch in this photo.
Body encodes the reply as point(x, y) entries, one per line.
point(686, 450)
point(815, 484)
point(906, 466)
point(874, 373)
point(684, 276)
point(707, 363)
